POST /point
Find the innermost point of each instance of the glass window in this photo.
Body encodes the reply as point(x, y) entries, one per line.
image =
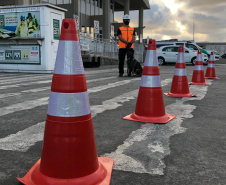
point(60, 2)
point(111, 4)
point(67, 1)
point(169, 49)
point(52, 1)
point(180, 44)
point(176, 49)
point(192, 47)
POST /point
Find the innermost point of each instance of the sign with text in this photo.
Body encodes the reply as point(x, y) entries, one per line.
point(84, 45)
point(20, 25)
point(96, 27)
point(56, 29)
point(76, 18)
point(20, 54)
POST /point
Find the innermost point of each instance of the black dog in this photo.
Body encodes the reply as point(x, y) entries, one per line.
point(133, 66)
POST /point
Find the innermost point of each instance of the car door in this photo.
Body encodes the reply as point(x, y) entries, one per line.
point(169, 54)
point(187, 55)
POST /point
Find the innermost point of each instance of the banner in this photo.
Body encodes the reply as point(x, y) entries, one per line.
point(96, 27)
point(84, 45)
point(20, 54)
point(20, 25)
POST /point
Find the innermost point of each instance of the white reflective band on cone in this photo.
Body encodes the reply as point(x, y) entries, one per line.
point(68, 104)
point(199, 58)
point(69, 60)
point(199, 67)
point(211, 65)
point(180, 58)
point(151, 58)
point(212, 58)
point(180, 72)
point(150, 81)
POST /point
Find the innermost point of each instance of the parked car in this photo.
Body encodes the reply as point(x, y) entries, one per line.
point(169, 54)
point(223, 56)
point(189, 44)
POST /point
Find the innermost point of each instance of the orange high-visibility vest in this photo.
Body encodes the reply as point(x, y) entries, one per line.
point(127, 34)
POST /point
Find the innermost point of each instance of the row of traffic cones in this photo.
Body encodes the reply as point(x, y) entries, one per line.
point(150, 105)
point(69, 153)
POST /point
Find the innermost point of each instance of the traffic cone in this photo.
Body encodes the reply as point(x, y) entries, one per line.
point(198, 77)
point(150, 105)
point(69, 153)
point(210, 71)
point(179, 87)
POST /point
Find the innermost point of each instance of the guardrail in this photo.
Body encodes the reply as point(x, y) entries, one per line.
point(106, 47)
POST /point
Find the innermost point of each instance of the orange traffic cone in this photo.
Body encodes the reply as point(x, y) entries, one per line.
point(210, 71)
point(179, 87)
point(150, 106)
point(198, 77)
point(69, 153)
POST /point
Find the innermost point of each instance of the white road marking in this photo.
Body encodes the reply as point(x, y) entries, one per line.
point(18, 76)
point(25, 84)
point(21, 141)
point(23, 79)
point(143, 151)
point(43, 101)
point(23, 106)
point(48, 87)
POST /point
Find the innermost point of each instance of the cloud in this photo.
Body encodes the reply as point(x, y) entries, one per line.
point(174, 19)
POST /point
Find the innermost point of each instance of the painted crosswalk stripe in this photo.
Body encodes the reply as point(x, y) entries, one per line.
point(23, 140)
point(152, 142)
point(43, 101)
point(43, 88)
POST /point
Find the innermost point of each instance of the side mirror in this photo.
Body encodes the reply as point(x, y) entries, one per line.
point(186, 51)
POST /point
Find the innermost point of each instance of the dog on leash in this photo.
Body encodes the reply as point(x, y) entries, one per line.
point(133, 66)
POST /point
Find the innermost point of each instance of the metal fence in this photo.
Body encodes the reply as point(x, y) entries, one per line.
point(108, 47)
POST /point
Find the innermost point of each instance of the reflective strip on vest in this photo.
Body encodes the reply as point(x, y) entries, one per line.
point(211, 65)
point(68, 104)
point(199, 67)
point(199, 58)
point(151, 58)
point(69, 60)
point(150, 81)
point(180, 58)
point(180, 72)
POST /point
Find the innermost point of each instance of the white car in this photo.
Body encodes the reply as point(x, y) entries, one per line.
point(168, 54)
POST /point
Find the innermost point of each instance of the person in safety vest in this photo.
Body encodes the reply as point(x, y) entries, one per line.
point(126, 35)
point(21, 29)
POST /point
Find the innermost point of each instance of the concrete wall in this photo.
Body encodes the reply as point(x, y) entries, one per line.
point(221, 49)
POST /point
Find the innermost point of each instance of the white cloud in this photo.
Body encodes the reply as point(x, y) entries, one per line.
point(174, 19)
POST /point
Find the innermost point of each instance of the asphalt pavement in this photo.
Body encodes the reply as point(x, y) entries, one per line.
point(189, 150)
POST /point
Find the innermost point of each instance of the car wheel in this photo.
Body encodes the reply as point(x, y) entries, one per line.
point(193, 61)
point(161, 61)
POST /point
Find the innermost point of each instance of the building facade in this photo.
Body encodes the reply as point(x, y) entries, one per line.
point(90, 10)
point(103, 45)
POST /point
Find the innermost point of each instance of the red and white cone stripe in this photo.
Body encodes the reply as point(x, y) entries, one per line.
point(69, 153)
point(179, 87)
point(150, 105)
point(210, 71)
point(68, 104)
point(198, 77)
point(150, 81)
point(69, 62)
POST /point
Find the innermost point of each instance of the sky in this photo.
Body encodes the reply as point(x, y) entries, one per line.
point(173, 19)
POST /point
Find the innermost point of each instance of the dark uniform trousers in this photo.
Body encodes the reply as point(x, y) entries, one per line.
point(122, 55)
